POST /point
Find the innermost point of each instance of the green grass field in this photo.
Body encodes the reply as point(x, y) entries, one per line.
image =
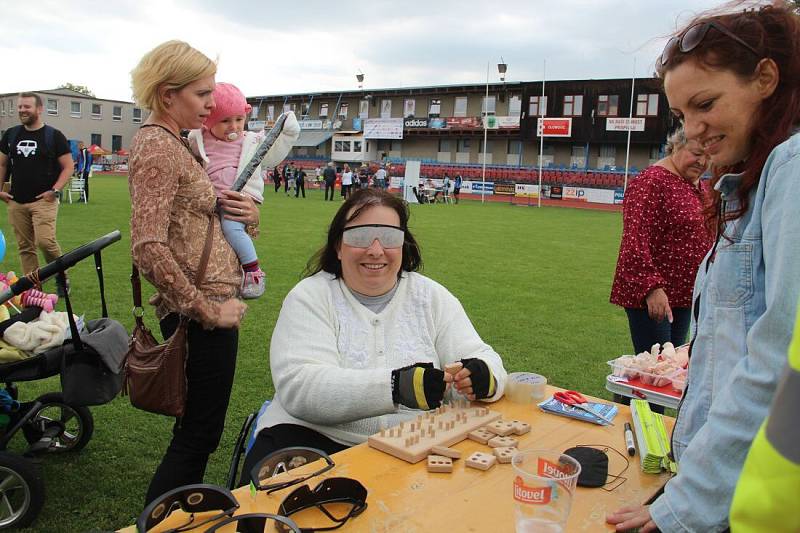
point(535, 283)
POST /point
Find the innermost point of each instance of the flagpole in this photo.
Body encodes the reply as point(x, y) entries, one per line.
point(485, 113)
point(630, 120)
point(542, 112)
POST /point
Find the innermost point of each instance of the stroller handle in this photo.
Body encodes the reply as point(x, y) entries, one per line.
point(60, 264)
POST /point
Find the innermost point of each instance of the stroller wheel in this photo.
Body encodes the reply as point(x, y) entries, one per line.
point(74, 424)
point(21, 491)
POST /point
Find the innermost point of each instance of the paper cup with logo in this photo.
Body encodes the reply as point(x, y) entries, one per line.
point(544, 483)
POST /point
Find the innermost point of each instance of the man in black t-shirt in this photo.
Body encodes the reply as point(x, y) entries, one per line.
point(39, 163)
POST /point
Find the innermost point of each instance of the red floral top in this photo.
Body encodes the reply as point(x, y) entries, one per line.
point(664, 239)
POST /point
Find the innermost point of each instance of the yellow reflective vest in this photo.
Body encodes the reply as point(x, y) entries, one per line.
point(766, 497)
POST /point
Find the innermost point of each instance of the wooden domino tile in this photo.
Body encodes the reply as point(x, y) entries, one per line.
point(480, 435)
point(504, 454)
point(502, 442)
point(520, 427)
point(439, 463)
point(501, 427)
point(481, 461)
point(447, 452)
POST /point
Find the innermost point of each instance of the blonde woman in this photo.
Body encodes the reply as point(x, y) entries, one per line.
point(172, 203)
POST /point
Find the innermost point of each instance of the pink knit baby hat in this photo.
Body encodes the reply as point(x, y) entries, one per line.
point(230, 101)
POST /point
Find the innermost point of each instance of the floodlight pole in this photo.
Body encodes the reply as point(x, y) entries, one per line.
point(485, 131)
point(542, 112)
point(630, 119)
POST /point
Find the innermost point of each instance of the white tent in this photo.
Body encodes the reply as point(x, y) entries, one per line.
point(410, 181)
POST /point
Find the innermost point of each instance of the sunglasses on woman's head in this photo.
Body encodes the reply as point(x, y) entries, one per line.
point(284, 460)
point(691, 39)
point(337, 498)
point(190, 499)
point(364, 235)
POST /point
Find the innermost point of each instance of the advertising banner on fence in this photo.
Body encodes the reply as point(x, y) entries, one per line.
point(508, 123)
point(526, 190)
point(554, 127)
point(310, 124)
point(463, 123)
point(475, 187)
point(508, 189)
point(619, 196)
point(600, 196)
point(411, 123)
point(383, 128)
point(256, 125)
point(573, 193)
point(555, 192)
point(624, 124)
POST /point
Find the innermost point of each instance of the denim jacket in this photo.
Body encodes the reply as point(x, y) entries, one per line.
point(748, 297)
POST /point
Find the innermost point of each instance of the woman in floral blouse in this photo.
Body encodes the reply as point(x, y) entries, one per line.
point(664, 239)
point(172, 202)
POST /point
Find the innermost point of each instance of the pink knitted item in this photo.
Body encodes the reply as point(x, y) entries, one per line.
point(230, 101)
point(37, 301)
point(35, 293)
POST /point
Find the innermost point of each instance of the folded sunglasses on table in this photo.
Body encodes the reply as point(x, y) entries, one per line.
point(191, 499)
point(284, 460)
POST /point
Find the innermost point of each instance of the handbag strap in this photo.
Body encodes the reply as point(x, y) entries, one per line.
point(136, 283)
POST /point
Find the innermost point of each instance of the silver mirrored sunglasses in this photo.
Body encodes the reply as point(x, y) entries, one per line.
point(364, 235)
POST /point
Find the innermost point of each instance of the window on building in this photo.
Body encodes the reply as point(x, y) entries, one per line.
point(343, 111)
point(305, 108)
point(409, 107)
point(446, 145)
point(323, 110)
point(96, 139)
point(386, 108)
point(646, 105)
point(463, 145)
point(270, 112)
point(116, 113)
point(460, 109)
point(607, 105)
point(573, 105)
point(2, 108)
point(655, 152)
point(514, 147)
point(97, 112)
point(489, 146)
point(75, 109)
point(116, 143)
point(52, 106)
point(357, 146)
point(488, 105)
point(137, 115)
point(254, 112)
point(363, 109)
point(537, 107)
point(395, 145)
point(578, 150)
point(608, 150)
point(435, 108)
point(341, 146)
point(514, 106)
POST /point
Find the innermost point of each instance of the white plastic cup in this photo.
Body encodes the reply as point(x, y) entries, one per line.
point(544, 485)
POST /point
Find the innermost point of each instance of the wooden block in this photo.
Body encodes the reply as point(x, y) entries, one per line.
point(481, 461)
point(502, 442)
point(520, 427)
point(504, 454)
point(447, 452)
point(501, 427)
point(439, 463)
point(480, 435)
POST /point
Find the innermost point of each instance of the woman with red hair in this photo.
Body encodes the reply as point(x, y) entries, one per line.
point(733, 80)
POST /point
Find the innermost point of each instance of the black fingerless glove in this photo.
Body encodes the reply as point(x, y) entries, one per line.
point(419, 386)
point(483, 383)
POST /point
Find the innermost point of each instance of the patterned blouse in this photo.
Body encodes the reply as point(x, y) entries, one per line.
point(172, 200)
point(664, 239)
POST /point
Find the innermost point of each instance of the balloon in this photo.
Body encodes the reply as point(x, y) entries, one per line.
point(2, 245)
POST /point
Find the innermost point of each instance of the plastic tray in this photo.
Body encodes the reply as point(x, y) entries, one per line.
point(656, 382)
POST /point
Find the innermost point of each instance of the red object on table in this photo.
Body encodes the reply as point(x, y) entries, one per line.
point(576, 399)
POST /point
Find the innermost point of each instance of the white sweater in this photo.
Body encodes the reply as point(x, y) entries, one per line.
point(331, 357)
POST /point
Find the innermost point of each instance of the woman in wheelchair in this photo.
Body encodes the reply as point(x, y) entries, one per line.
point(355, 336)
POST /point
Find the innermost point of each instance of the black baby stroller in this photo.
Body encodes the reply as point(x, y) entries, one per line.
point(90, 365)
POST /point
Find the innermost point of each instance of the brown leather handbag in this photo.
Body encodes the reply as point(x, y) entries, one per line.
point(155, 374)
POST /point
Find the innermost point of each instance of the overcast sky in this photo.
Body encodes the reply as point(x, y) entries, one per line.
point(268, 47)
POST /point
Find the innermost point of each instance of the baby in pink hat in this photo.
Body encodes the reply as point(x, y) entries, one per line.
point(225, 147)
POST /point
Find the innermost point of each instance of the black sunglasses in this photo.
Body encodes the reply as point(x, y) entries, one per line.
point(691, 39)
point(190, 499)
point(257, 523)
point(284, 460)
point(338, 498)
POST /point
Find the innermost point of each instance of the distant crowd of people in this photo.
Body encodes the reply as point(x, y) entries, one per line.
point(294, 178)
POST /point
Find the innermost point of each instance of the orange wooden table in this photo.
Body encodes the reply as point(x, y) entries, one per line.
point(405, 497)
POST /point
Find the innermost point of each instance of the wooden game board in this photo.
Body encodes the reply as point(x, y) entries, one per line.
point(412, 441)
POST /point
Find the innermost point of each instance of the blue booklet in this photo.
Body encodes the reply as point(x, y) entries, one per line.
point(553, 406)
